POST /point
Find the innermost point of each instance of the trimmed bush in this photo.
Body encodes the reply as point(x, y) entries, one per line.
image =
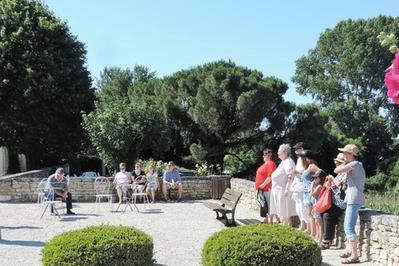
point(260, 245)
point(99, 245)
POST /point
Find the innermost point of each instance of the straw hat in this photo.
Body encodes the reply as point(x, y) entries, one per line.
point(350, 148)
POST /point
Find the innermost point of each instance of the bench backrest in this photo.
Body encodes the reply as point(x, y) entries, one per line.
point(230, 198)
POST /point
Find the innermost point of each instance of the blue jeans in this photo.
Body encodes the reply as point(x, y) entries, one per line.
point(351, 213)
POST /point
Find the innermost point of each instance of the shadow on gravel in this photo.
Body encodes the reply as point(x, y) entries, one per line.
point(71, 218)
point(20, 227)
point(151, 211)
point(247, 221)
point(22, 243)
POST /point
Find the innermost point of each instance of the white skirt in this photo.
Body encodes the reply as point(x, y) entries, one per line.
point(281, 205)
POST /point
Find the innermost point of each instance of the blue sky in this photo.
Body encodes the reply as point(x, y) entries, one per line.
point(171, 35)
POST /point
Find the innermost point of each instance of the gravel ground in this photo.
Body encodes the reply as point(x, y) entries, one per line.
point(179, 230)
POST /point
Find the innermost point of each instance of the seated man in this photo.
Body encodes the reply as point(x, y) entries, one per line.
point(58, 187)
point(121, 181)
point(172, 180)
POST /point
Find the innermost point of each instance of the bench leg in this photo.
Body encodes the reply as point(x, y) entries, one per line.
point(219, 217)
point(232, 222)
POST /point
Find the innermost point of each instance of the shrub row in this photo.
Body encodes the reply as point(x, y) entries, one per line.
point(260, 245)
point(99, 245)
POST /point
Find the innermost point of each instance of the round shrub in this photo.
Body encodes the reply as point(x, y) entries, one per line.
point(260, 245)
point(99, 245)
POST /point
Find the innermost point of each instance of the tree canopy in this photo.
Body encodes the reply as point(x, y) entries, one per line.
point(225, 106)
point(44, 83)
point(344, 73)
point(126, 123)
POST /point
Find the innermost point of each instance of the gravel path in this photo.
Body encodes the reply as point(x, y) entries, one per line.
point(179, 230)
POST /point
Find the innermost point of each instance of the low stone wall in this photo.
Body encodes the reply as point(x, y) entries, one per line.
point(378, 233)
point(23, 187)
point(247, 188)
point(379, 237)
point(19, 187)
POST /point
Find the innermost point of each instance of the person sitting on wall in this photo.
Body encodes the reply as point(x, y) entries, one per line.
point(58, 187)
point(172, 180)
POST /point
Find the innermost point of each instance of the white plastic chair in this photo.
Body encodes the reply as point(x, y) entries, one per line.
point(41, 190)
point(127, 199)
point(103, 189)
point(142, 195)
point(49, 200)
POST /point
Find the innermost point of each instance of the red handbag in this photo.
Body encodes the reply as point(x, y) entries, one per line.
point(324, 202)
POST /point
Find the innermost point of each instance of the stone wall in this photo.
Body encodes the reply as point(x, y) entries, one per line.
point(247, 188)
point(23, 187)
point(379, 237)
point(378, 233)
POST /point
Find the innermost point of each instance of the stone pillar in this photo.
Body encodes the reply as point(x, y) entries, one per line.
point(4, 161)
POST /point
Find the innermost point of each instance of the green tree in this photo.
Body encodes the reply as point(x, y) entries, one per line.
point(344, 73)
point(44, 84)
point(297, 123)
point(219, 106)
point(127, 121)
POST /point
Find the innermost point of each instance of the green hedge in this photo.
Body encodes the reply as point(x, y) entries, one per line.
point(387, 202)
point(99, 245)
point(260, 245)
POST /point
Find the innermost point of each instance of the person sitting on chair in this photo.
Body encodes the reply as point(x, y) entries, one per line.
point(58, 187)
point(152, 179)
point(138, 178)
point(121, 181)
point(172, 180)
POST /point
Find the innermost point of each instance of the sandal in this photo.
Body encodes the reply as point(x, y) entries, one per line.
point(350, 260)
point(325, 244)
point(345, 255)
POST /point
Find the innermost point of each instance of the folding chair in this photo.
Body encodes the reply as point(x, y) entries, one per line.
point(142, 195)
point(127, 200)
point(49, 200)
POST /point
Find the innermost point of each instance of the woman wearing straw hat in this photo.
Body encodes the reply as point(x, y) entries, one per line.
point(354, 198)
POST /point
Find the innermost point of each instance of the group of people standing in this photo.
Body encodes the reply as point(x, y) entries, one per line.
point(291, 189)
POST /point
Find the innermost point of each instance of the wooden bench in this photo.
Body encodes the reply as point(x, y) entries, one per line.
point(227, 204)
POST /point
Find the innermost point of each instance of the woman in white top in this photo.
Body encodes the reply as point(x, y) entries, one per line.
point(152, 182)
point(281, 203)
point(297, 188)
point(121, 181)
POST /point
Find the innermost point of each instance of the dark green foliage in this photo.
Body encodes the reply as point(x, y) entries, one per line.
point(127, 120)
point(220, 106)
point(386, 202)
point(260, 245)
point(100, 245)
point(44, 84)
point(344, 72)
point(385, 181)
